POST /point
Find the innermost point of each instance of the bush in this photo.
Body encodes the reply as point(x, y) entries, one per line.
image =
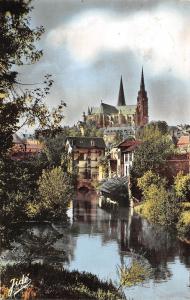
point(148, 179)
point(183, 225)
point(182, 186)
point(136, 273)
point(55, 191)
point(161, 205)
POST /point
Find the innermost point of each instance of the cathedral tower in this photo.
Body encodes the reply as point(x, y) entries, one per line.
point(142, 104)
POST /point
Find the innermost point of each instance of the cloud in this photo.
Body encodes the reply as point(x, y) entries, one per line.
point(161, 37)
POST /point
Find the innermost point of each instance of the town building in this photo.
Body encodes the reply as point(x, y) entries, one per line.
point(121, 158)
point(177, 163)
point(183, 144)
point(84, 155)
point(121, 115)
point(25, 146)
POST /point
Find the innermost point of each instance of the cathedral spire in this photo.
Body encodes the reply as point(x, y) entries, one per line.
point(121, 97)
point(142, 104)
point(142, 86)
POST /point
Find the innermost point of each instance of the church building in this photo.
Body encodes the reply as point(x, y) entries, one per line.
point(121, 115)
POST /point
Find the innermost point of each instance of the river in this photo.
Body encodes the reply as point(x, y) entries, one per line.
point(99, 241)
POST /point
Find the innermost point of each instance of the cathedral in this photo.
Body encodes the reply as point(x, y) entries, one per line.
point(121, 115)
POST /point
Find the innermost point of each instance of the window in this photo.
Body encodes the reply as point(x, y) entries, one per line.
point(130, 156)
point(81, 156)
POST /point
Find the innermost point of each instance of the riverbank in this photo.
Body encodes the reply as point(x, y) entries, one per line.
point(49, 282)
point(182, 225)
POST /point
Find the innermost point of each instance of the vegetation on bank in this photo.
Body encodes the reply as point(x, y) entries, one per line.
point(50, 282)
point(162, 204)
point(162, 195)
point(30, 190)
point(21, 182)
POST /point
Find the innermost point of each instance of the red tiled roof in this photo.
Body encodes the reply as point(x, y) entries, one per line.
point(184, 140)
point(127, 143)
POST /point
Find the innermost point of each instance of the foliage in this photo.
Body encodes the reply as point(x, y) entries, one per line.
point(152, 155)
point(118, 138)
point(55, 191)
point(161, 206)
point(182, 186)
point(62, 283)
point(185, 206)
point(136, 273)
point(53, 153)
point(152, 130)
point(183, 225)
point(148, 179)
point(17, 187)
point(16, 103)
point(104, 163)
point(92, 131)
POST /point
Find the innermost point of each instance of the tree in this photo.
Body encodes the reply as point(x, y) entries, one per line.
point(161, 206)
point(182, 186)
point(149, 179)
point(17, 187)
point(54, 153)
point(18, 47)
point(152, 155)
point(152, 130)
point(55, 191)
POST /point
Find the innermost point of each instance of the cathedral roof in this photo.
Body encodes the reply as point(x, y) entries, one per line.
point(104, 109)
point(110, 109)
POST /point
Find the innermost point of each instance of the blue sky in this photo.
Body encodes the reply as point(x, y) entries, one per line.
point(89, 44)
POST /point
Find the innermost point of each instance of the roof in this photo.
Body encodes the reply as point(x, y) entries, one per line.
point(110, 109)
point(128, 143)
point(128, 146)
point(87, 142)
point(184, 140)
point(105, 109)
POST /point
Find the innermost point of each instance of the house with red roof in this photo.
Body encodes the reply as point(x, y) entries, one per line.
point(121, 158)
point(24, 148)
point(183, 144)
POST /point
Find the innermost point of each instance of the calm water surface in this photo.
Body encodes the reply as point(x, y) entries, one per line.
point(99, 241)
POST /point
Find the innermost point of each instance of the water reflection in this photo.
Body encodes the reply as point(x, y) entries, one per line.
point(97, 241)
point(169, 258)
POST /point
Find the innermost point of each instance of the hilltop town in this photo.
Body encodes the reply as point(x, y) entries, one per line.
point(90, 210)
point(108, 132)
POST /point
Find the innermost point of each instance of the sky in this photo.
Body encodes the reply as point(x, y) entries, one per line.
point(89, 44)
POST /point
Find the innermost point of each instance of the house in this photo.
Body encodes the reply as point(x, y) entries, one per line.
point(121, 158)
point(178, 163)
point(25, 147)
point(183, 143)
point(84, 156)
